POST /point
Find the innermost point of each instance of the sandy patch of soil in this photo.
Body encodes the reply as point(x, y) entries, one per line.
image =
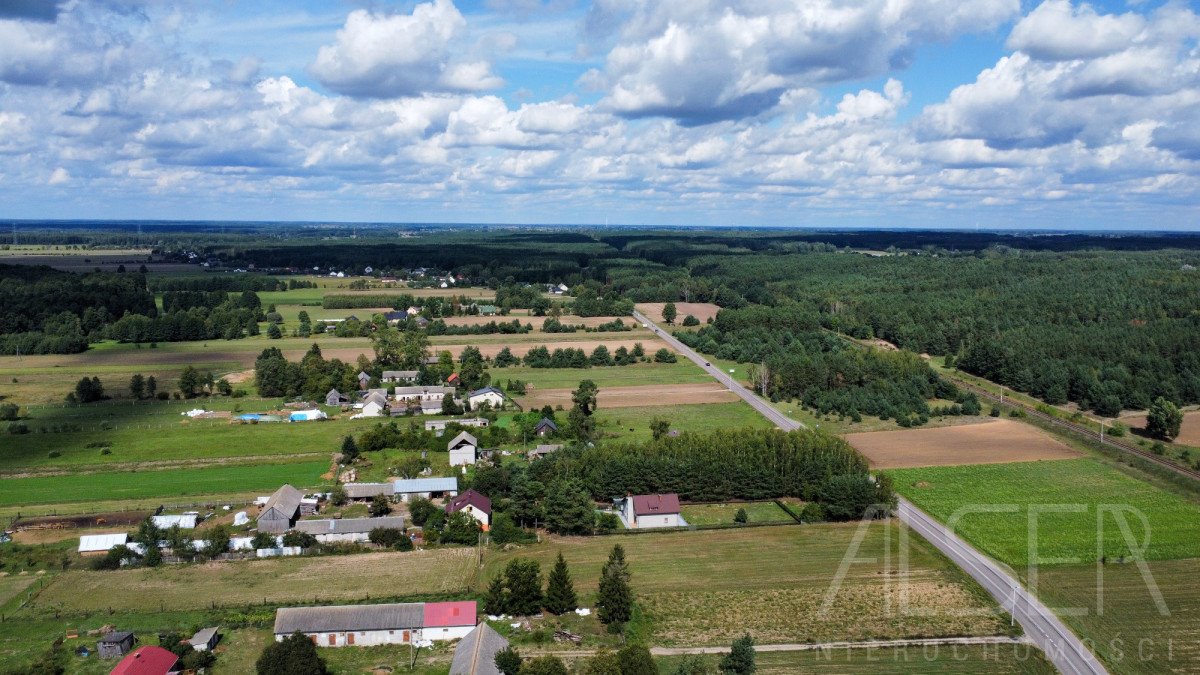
point(636, 397)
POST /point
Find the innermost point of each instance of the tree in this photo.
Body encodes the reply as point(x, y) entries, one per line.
point(148, 534)
point(216, 541)
point(669, 313)
point(224, 387)
point(496, 601)
point(419, 510)
point(560, 592)
point(137, 386)
point(584, 398)
point(189, 381)
point(88, 390)
point(635, 659)
point(508, 661)
point(638, 350)
point(740, 659)
point(690, 321)
point(614, 599)
point(151, 386)
point(294, 655)
point(569, 508)
point(604, 662)
point(544, 665)
point(298, 539)
point(1164, 419)
point(460, 528)
point(349, 449)
point(741, 517)
point(472, 371)
point(9, 412)
point(379, 506)
point(263, 540)
point(659, 427)
point(849, 497)
point(450, 406)
point(523, 582)
point(665, 355)
point(692, 664)
point(273, 331)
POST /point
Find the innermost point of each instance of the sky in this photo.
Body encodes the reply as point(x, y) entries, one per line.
point(980, 114)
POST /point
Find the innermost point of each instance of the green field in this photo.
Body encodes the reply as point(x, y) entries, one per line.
point(167, 483)
point(999, 659)
point(1082, 484)
point(633, 424)
point(722, 514)
point(694, 585)
point(681, 372)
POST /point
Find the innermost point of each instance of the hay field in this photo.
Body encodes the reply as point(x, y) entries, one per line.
point(701, 310)
point(991, 442)
point(1189, 431)
point(637, 396)
point(326, 579)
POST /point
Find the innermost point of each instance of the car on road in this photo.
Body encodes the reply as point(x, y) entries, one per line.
point(707, 363)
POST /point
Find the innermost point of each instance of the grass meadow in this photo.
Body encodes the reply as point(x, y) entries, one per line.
point(722, 514)
point(633, 424)
point(169, 483)
point(1085, 486)
point(992, 659)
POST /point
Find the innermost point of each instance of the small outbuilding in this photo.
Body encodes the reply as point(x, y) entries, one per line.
point(347, 530)
point(205, 639)
point(115, 644)
point(397, 376)
point(543, 450)
point(369, 625)
point(335, 397)
point(545, 427)
point(364, 380)
point(91, 544)
point(429, 488)
point(367, 491)
point(462, 449)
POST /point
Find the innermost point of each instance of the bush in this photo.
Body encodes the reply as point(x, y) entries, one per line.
point(389, 537)
point(18, 428)
point(741, 516)
point(9, 411)
point(163, 396)
point(665, 355)
point(812, 513)
point(690, 320)
point(54, 454)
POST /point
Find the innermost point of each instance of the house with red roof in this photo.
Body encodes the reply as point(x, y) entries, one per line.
point(148, 660)
point(369, 625)
point(448, 620)
point(475, 504)
point(642, 511)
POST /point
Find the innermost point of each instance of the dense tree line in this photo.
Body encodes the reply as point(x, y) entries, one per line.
point(228, 283)
point(312, 377)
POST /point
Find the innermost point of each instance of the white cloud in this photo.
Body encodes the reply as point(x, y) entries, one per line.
point(59, 176)
point(1059, 31)
point(380, 55)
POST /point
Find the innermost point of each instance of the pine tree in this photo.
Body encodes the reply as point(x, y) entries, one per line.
point(614, 601)
point(349, 450)
point(497, 600)
point(740, 659)
point(560, 592)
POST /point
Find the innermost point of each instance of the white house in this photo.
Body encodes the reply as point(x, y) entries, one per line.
point(490, 395)
point(395, 376)
point(347, 530)
point(439, 426)
point(475, 504)
point(423, 394)
point(462, 449)
point(642, 511)
point(370, 625)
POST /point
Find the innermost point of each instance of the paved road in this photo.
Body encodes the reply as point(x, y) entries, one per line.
point(1061, 646)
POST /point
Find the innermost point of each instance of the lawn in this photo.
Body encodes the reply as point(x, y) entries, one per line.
point(278, 581)
point(633, 424)
point(694, 585)
point(1121, 617)
point(1084, 485)
point(722, 514)
point(998, 659)
point(167, 483)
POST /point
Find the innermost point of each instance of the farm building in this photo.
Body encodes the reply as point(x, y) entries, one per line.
point(431, 407)
point(307, 416)
point(375, 404)
point(396, 376)
point(439, 426)
point(347, 529)
point(148, 660)
point(422, 394)
point(543, 450)
point(475, 504)
point(490, 395)
point(545, 427)
point(642, 511)
point(115, 644)
point(186, 521)
point(204, 639)
point(476, 654)
point(368, 625)
point(90, 544)
point(364, 380)
point(368, 490)
point(462, 449)
point(429, 488)
point(281, 511)
point(335, 397)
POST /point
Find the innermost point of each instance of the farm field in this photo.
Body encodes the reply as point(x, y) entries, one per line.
point(638, 396)
point(998, 659)
point(701, 310)
point(722, 514)
point(1081, 484)
point(694, 585)
point(1189, 431)
point(1122, 618)
point(633, 424)
point(991, 442)
point(168, 483)
point(12, 585)
point(277, 581)
point(680, 372)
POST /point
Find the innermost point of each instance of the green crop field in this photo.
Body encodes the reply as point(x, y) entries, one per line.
point(694, 585)
point(167, 483)
point(1083, 485)
point(997, 659)
point(633, 424)
point(722, 514)
point(681, 372)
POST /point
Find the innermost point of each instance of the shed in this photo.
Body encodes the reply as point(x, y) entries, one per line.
point(335, 397)
point(368, 490)
point(364, 380)
point(428, 488)
point(476, 654)
point(543, 450)
point(115, 644)
point(545, 427)
point(147, 660)
point(204, 639)
point(281, 510)
point(347, 529)
point(101, 543)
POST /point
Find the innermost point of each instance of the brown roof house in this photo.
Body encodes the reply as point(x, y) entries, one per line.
point(642, 511)
point(475, 504)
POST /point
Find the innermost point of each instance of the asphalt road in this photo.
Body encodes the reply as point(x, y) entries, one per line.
point(1060, 645)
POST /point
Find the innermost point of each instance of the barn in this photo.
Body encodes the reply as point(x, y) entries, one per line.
point(281, 511)
point(462, 449)
point(429, 488)
point(369, 625)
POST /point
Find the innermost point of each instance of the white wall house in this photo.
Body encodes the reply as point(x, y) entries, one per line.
point(644, 511)
point(462, 449)
point(371, 625)
point(490, 395)
point(475, 505)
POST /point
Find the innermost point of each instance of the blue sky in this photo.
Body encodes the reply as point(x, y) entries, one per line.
point(885, 113)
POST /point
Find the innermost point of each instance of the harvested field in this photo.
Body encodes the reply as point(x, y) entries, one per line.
point(992, 442)
point(117, 519)
point(637, 397)
point(536, 321)
point(518, 349)
point(701, 310)
point(1189, 431)
point(276, 581)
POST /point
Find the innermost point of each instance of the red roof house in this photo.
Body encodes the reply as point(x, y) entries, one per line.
point(146, 661)
point(652, 511)
point(450, 614)
point(453, 379)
